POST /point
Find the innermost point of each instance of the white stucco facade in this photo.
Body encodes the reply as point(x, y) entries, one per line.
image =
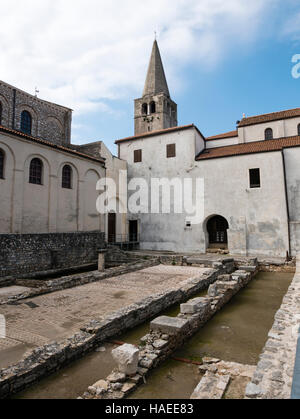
point(281, 128)
point(47, 208)
point(258, 218)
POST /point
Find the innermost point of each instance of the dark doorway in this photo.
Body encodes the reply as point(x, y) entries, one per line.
point(217, 230)
point(112, 222)
point(133, 231)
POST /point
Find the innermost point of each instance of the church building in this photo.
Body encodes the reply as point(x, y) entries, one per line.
point(47, 184)
point(251, 176)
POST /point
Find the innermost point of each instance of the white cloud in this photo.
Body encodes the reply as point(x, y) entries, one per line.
point(81, 53)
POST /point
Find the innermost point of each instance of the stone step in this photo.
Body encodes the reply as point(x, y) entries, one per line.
point(199, 261)
point(212, 386)
point(168, 325)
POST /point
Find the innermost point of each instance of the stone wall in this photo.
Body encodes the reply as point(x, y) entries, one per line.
point(274, 373)
point(27, 253)
point(167, 334)
point(50, 358)
point(50, 122)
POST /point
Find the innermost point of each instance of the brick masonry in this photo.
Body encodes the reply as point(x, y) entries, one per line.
point(28, 253)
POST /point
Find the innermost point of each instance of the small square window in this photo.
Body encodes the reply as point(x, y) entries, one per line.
point(137, 156)
point(171, 151)
point(254, 178)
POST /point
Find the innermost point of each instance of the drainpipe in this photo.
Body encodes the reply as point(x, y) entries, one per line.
point(287, 201)
point(14, 109)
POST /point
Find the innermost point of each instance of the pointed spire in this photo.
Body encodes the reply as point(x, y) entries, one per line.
point(156, 81)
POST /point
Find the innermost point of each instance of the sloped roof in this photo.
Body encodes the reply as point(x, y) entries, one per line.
point(230, 134)
point(49, 144)
point(249, 148)
point(158, 132)
point(275, 116)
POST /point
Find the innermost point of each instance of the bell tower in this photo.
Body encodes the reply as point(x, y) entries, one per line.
point(155, 110)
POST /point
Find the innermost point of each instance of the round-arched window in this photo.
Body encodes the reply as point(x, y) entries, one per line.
point(26, 122)
point(269, 134)
point(36, 172)
point(144, 109)
point(152, 107)
point(66, 177)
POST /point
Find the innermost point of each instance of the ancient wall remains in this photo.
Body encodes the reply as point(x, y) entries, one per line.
point(27, 253)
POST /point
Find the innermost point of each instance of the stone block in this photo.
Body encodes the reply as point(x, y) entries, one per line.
point(193, 306)
point(253, 391)
point(199, 261)
point(248, 268)
point(217, 265)
point(102, 384)
point(116, 377)
point(212, 386)
point(169, 325)
point(160, 344)
point(127, 358)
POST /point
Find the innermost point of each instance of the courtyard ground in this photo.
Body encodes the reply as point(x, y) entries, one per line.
point(53, 317)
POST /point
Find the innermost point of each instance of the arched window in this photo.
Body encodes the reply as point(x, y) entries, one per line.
point(269, 134)
point(299, 129)
point(0, 113)
point(67, 177)
point(26, 122)
point(2, 158)
point(144, 109)
point(152, 107)
point(36, 172)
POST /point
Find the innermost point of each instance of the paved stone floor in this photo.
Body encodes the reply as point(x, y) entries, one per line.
point(14, 290)
point(55, 316)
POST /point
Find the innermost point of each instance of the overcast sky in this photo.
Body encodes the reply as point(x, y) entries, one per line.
point(222, 58)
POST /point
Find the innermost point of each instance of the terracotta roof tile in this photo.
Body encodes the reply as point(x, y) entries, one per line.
point(153, 133)
point(48, 143)
point(249, 148)
point(275, 116)
point(230, 134)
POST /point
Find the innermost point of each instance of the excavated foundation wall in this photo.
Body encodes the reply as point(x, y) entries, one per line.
point(168, 334)
point(273, 377)
point(50, 358)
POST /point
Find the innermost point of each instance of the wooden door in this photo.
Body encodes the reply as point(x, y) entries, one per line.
point(112, 221)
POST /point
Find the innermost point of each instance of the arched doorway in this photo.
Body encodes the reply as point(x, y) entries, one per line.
point(217, 228)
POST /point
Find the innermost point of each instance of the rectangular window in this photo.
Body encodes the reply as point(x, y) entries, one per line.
point(171, 151)
point(254, 178)
point(137, 156)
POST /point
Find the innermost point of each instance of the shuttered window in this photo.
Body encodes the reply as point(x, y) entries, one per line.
point(137, 156)
point(254, 178)
point(171, 151)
